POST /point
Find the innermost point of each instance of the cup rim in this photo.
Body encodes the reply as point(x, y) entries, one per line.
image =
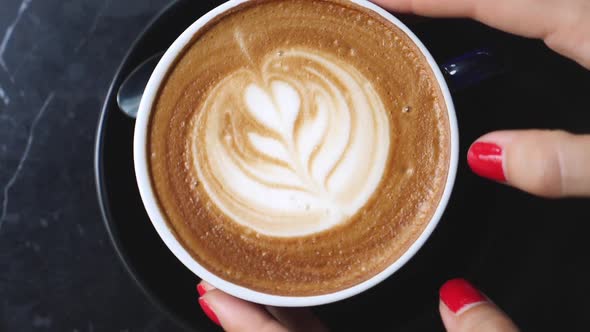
point(157, 217)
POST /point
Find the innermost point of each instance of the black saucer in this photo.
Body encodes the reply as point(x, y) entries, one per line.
point(524, 252)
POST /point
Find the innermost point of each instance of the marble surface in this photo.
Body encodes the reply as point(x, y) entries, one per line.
point(58, 270)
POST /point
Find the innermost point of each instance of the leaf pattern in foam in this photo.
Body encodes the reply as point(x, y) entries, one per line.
point(270, 109)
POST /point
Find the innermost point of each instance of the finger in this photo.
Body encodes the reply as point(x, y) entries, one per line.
point(531, 18)
point(544, 163)
point(562, 24)
point(236, 315)
point(464, 309)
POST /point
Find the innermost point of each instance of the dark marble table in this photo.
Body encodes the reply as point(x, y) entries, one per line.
point(58, 270)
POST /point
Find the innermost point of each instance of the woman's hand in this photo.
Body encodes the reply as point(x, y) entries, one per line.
point(564, 25)
point(545, 163)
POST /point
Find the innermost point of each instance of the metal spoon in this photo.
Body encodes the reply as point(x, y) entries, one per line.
point(131, 90)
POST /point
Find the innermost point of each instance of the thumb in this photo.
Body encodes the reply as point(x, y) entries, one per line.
point(542, 162)
point(464, 309)
point(234, 314)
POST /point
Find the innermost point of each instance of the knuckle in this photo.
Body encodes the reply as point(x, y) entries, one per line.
point(545, 178)
point(542, 173)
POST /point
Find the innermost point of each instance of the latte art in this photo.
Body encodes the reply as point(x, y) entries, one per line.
point(294, 147)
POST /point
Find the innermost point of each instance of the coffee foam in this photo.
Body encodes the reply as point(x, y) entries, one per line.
point(318, 101)
point(293, 147)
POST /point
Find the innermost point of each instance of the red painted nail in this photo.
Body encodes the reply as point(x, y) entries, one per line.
point(207, 310)
point(485, 159)
point(201, 289)
point(459, 294)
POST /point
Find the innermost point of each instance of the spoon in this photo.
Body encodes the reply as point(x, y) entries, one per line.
point(131, 90)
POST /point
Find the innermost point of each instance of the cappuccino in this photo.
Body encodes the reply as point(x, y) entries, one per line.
point(298, 147)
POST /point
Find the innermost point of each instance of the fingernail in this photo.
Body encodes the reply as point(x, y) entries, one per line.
point(459, 295)
point(485, 159)
point(207, 310)
point(201, 289)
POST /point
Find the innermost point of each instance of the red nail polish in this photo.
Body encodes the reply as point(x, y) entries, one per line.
point(201, 289)
point(485, 159)
point(459, 294)
point(207, 310)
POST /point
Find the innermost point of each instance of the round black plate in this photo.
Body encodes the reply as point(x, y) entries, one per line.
point(524, 252)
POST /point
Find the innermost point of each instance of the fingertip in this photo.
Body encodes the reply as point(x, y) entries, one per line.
point(463, 308)
point(203, 287)
point(459, 295)
point(486, 160)
point(486, 156)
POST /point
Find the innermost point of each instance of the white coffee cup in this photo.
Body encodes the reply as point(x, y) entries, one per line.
point(157, 217)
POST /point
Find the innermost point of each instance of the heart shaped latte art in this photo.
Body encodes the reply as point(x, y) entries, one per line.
point(293, 147)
